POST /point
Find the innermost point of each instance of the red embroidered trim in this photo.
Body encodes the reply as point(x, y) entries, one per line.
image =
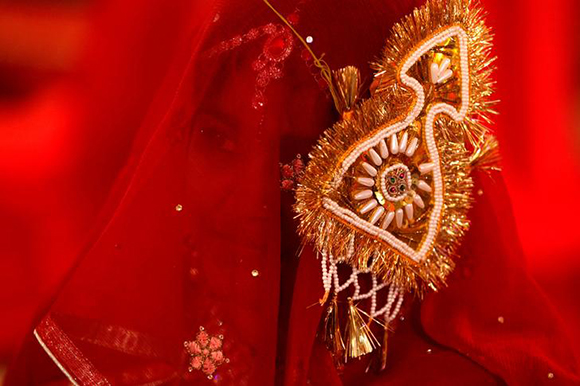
point(110, 336)
point(66, 355)
point(270, 62)
point(269, 65)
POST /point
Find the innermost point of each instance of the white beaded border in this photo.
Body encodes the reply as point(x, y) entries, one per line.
point(438, 108)
point(384, 187)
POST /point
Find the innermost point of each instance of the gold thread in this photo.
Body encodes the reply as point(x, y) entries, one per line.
point(325, 71)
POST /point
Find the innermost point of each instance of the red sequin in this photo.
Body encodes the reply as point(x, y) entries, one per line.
point(287, 171)
point(287, 184)
point(276, 47)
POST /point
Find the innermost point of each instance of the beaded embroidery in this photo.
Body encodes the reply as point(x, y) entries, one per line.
point(392, 177)
point(290, 173)
point(206, 352)
point(277, 48)
point(270, 63)
point(394, 296)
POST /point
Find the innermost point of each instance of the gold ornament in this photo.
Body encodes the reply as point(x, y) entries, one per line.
point(332, 334)
point(394, 172)
point(388, 187)
point(360, 340)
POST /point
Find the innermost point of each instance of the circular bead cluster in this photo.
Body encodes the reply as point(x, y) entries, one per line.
point(396, 182)
point(384, 193)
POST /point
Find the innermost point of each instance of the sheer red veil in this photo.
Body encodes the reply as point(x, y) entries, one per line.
point(198, 234)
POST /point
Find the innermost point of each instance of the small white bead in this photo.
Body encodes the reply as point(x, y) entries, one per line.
point(365, 181)
point(423, 186)
point(363, 195)
point(426, 168)
point(377, 214)
point(368, 206)
point(383, 149)
point(409, 211)
point(419, 201)
point(369, 169)
point(375, 157)
point(399, 217)
point(412, 147)
point(387, 220)
point(403, 143)
point(434, 73)
point(394, 144)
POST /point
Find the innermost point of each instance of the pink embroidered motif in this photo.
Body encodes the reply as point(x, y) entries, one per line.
point(291, 173)
point(205, 352)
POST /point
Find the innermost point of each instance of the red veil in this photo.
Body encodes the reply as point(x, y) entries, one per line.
point(198, 234)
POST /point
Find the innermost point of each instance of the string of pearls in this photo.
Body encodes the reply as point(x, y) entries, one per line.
point(331, 280)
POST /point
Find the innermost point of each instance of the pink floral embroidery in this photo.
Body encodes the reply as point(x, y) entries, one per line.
point(215, 343)
point(196, 362)
point(205, 352)
point(291, 173)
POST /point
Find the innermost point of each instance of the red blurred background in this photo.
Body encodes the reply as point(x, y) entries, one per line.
point(77, 77)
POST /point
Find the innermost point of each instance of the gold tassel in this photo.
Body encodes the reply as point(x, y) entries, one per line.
point(347, 81)
point(384, 347)
point(324, 298)
point(359, 337)
point(332, 335)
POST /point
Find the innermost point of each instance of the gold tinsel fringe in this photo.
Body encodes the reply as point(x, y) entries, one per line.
point(347, 82)
point(433, 16)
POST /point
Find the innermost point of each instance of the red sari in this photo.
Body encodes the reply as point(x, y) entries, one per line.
point(198, 234)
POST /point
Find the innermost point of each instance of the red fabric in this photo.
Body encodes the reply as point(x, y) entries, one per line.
point(529, 341)
point(63, 142)
point(533, 114)
point(155, 274)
